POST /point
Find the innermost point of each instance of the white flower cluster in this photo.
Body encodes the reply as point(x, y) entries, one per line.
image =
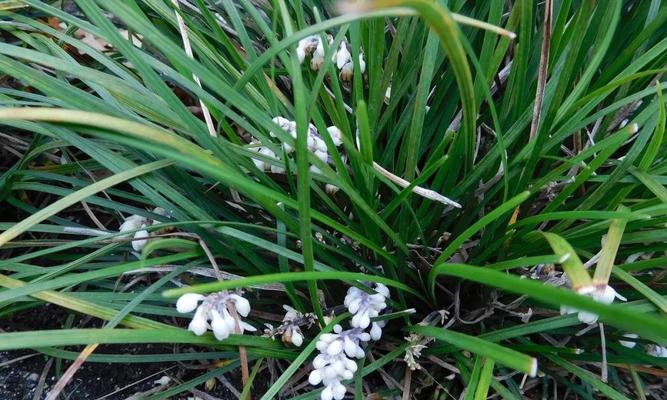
point(651, 349)
point(214, 308)
point(316, 145)
point(656, 351)
point(335, 362)
point(134, 222)
point(313, 46)
point(605, 295)
point(365, 306)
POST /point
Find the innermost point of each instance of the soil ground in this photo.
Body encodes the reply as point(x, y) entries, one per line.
point(21, 371)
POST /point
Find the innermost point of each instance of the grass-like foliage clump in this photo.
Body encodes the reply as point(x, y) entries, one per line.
point(376, 199)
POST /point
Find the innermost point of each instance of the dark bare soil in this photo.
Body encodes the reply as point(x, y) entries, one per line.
point(21, 371)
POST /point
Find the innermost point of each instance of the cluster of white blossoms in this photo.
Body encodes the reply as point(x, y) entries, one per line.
point(134, 222)
point(314, 47)
point(213, 313)
point(604, 295)
point(316, 145)
point(656, 351)
point(335, 362)
point(365, 306)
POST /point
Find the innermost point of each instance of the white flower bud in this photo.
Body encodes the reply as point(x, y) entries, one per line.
point(376, 331)
point(131, 223)
point(140, 240)
point(198, 323)
point(315, 377)
point(219, 326)
point(608, 295)
point(336, 135)
point(353, 305)
point(188, 302)
point(362, 63)
point(259, 164)
point(335, 347)
point(320, 145)
point(229, 321)
point(587, 317)
point(342, 56)
point(338, 367)
point(322, 155)
point(338, 391)
point(277, 170)
point(244, 326)
point(331, 189)
point(327, 393)
point(360, 353)
point(242, 305)
point(320, 361)
point(350, 347)
point(627, 343)
point(297, 338)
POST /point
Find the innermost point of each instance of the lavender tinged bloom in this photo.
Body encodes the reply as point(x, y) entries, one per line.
point(335, 362)
point(365, 306)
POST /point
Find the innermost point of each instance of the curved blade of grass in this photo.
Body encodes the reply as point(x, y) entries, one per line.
point(508, 357)
point(485, 379)
point(289, 277)
point(620, 316)
point(609, 249)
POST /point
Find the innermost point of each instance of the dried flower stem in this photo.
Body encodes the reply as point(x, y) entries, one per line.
point(542, 72)
point(188, 50)
point(427, 193)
